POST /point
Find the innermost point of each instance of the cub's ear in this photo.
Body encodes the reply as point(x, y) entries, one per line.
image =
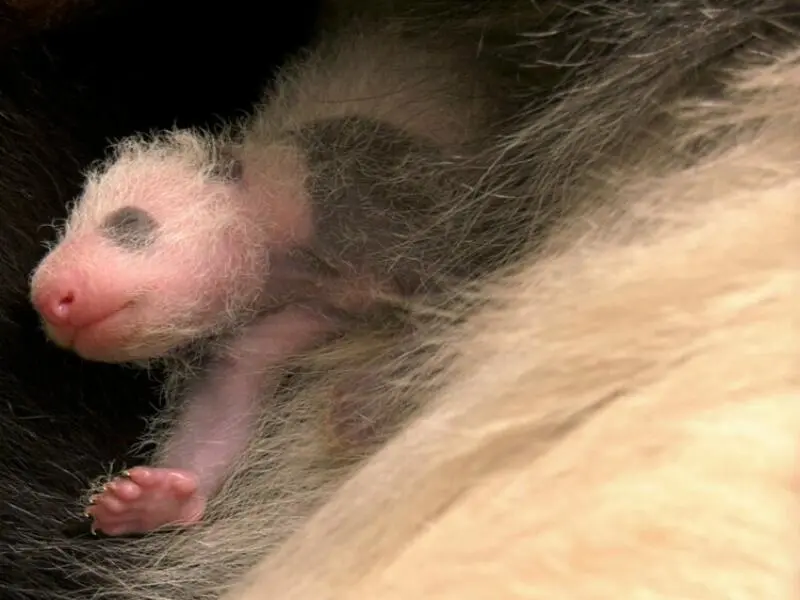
point(227, 166)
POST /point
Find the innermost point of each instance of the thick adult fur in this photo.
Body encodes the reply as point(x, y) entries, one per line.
point(66, 93)
point(617, 421)
point(21, 18)
point(347, 166)
point(621, 420)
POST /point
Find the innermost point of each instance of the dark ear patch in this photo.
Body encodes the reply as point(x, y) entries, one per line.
point(227, 167)
point(130, 228)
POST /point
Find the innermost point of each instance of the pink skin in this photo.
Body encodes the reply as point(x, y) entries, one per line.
point(104, 314)
point(112, 304)
point(213, 430)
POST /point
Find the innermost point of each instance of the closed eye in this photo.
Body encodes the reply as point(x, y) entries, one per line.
point(130, 228)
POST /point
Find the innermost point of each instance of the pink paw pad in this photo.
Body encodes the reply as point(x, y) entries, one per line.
point(145, 499)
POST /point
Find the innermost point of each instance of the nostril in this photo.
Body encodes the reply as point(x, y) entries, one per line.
point(57, 308)
point(63, 305)
point(72, 305)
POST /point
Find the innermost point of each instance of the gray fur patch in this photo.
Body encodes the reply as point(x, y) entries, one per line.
point(130, 228)
point(228, 167)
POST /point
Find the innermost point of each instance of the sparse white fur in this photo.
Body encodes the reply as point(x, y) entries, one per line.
point(424, 84)
point(432, 92)
point(225, 220)
point(621, 421)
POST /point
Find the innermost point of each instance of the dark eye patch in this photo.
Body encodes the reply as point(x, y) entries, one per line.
point(130, 227)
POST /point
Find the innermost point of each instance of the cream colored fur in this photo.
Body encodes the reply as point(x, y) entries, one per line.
point(622, 420)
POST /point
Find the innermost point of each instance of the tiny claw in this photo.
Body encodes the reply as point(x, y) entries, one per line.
point(92, 499)
point(126, 473)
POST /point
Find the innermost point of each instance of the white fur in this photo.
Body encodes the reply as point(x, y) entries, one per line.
point(623, 420)
point(619, 421)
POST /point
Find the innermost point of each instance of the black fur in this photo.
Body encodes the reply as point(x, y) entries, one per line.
point(118, 68)
point(587, 56)
point(63, 95)
point(376, 195)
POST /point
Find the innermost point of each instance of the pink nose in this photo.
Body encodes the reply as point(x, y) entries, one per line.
point(55, 306)
point(64, 303)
